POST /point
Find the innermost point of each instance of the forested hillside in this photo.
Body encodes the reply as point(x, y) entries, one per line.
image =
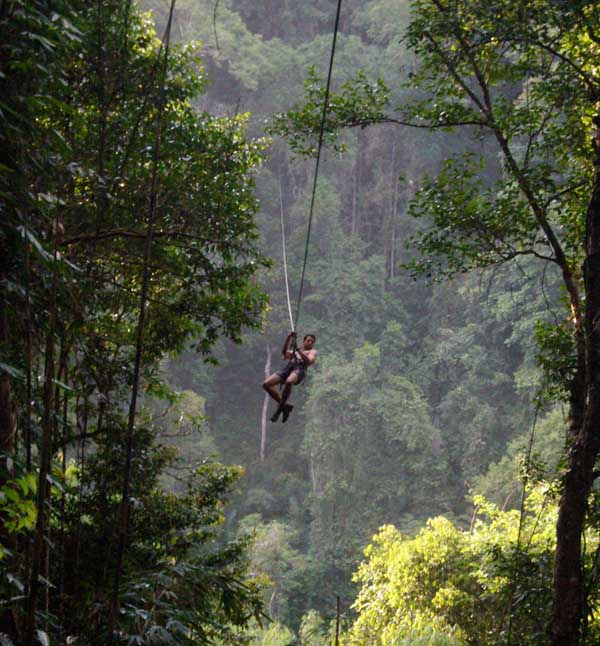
point(151, 155)
point(420, 387)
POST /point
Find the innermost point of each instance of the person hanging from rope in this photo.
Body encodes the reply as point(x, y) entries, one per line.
point(290, 374)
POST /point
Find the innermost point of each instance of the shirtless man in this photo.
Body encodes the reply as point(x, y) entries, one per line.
point(292, 373)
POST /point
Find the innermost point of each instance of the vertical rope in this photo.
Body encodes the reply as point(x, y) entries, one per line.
point(320, 146)
point(287, 283)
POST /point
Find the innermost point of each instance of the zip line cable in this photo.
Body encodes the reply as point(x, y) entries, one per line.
point(320, 145)
point(287, 283)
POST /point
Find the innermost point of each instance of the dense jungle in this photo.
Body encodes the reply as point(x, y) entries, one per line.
point(163, 228)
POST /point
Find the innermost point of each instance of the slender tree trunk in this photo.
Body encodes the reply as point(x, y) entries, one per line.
point(393, 251)
point(27, 439)
point(394, 216)
point(313, 474)
point(101, 198)
point(50, 539)
point(390, 226)
point(337, 621)
point(45, 457)
point(265, 408)
point(26, 211)
point(8, 427)
point(354, 194)
point(8, 420)
point(569, 608)
point(123, 521)
point(28, 344)
point(62, 549)
point(82, 425)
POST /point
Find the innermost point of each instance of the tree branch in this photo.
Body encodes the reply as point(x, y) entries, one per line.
point(127, 233)
point(592, 82)
point(536, 133)
point(556, 196)
point(452, 69)
point(361, 123)
point(487, 108)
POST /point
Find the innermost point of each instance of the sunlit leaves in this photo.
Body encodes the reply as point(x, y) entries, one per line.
point(17, 503)
point(459, 582)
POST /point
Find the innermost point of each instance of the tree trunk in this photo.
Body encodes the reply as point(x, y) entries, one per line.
point(28, 344)
point(124, 509)
point(39, 545)
point(7, 417)
point(8, 425)
point(8, 420)
point(265, 408)
point(354, 194)
point(393, 213)
point(569, 608)
point(39, 541)
point(393, 242)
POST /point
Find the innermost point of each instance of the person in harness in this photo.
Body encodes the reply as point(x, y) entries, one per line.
point(290, 374)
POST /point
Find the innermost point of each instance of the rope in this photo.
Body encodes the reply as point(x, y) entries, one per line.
point(287, 284)
point(321, 131)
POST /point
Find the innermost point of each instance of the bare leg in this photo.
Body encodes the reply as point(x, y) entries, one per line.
point(287, 391)
point(269, 387)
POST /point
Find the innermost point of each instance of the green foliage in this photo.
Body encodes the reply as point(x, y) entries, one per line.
point(227, 41)
point(455, 371)
point(274, 560)
point(312, 630)
point(274, 635)
point(358, 103)
point(81, 100)
point(469, 225)
point(361, 420)
point(556, 358)
point(417, 390)
point(427, 636)
point(184, 425)
point(455, 586)
point(178, 579)
point(502, 483)
point(522, 78)
point(17, 505)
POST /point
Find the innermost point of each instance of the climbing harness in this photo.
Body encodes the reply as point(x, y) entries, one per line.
point(314, 185)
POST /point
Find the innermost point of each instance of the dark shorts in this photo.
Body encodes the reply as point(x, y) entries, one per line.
point(285, 371)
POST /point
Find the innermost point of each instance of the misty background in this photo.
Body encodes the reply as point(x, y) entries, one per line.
point(423, 392)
